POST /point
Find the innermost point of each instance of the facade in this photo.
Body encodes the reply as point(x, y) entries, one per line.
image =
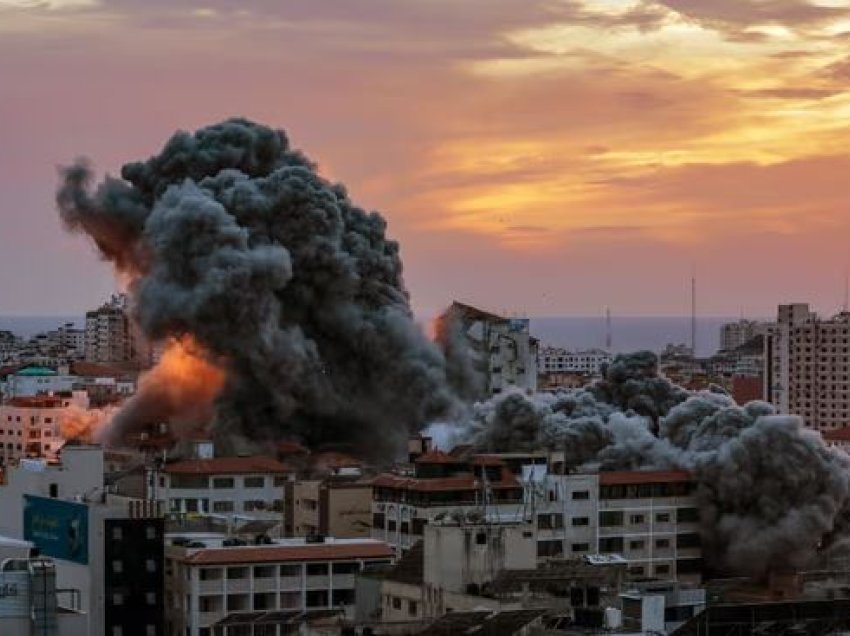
point(64, 509)
point(650, 518)
point(210, 584)
point(334, 506)
point(227, 487)
point(554, 360)
point(111, 337)
point(736, 334)
point(33, 426)
point(35, 380)
point(502, 350)
point(807, 366)
point(134, 577)
point(442, 486)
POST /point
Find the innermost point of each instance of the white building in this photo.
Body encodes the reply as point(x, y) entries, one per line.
point(502, 349)
point(807, 366)
point(34, 380)
point(648, 517)
point(227, 487)
point(208, 582)
point(65, 509)
point(735, 334)
point(558, 360)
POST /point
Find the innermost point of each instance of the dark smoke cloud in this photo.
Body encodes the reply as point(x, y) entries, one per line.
point(771, 493)
point(231, 236)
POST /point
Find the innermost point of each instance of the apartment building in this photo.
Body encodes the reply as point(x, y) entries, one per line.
point(111, 337)
point(736, 334)
point(334, 506)
point(228, 487)
point(442, 485)
point(33, 426)
point(807, 366)
point(555, 360)
point(502, 350)
point(211, 583)
point(650, 518)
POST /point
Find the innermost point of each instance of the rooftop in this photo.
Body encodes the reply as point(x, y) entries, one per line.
point(837, 435)
point(465, 481)
point(635, 477)
point(36, 371)
point(227, 466)
point(288, 550)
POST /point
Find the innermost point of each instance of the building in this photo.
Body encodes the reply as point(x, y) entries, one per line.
point(111, 337)
point(232, 488)
point(66, 510)
point(334, 506)
point(35, 426)
point(30, 604)
point(555, 360)
point(652, 607)
point(502, 352)
point(734, 335)
point(32, 380)
point(212, 583)
point(442, 485)
point(650, 518)
point(807, 366)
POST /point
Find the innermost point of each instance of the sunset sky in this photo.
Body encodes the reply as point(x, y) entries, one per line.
point(538, 157)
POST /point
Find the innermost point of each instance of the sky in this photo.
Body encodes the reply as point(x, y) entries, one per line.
point(537, 157)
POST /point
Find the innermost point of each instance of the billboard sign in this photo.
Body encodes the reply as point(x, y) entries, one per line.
point(59, 529)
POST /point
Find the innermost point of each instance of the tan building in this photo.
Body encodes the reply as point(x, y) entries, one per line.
point(335, 507)
point(32, 426)
point(807, 366)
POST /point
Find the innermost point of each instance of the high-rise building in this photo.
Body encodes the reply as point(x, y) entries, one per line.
point(736, 334)
point(807, 366)
point(112, 337)
point(499, 350)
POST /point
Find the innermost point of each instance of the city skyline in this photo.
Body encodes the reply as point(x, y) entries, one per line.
point(547, 158)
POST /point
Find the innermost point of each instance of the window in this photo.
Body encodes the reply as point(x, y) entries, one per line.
point(290, 570)
point(662, 569)
point(550, 548)
point(580, 547)
point(396, 603)
point(117, 630)
point(687, 515)
point(150, 565)
point(223, 482)
point(411, 608)
point(662, 543)
point(345, 568)
point(317, 569)
point(611, 544)
point(117, 566)
point(580, 521)
point(255, 482)
point(150, 630)
point(189, 481)
point(690, 540)
point(222, 506)
point(636, 519)
point(637, 545)
point(662, 517)
point(481, 538)
point(636, 570)
point(610, 518)
point(150, 598)
point(279, 481)
point(117, 599)
point(150, 533)
point(581, 494)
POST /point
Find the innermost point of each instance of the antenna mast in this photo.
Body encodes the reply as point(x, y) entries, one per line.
point(607, 328)
point(693, 314)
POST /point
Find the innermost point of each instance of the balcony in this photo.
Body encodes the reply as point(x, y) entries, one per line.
point(215, 586)
point(343, 581)
point(321, 581)
point(290, 583)
point(265, 585)
point(238, 585)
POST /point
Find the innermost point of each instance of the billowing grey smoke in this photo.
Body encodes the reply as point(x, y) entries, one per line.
point(231, 236)
point(771, 493)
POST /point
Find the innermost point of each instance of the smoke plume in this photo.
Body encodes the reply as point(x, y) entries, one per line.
point(231, 236)
point(770, 492)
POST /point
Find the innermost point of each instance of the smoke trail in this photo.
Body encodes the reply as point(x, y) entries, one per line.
point(770, 492)
point(231, 236)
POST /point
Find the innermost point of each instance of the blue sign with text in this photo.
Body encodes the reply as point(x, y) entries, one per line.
point(59, 529)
